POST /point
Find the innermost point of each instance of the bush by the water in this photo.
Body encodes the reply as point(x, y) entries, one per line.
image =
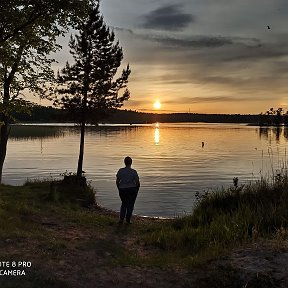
point(230, 217)
point(72, 189)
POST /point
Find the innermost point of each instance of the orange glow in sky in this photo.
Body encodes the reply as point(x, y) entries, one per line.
point(187, 56)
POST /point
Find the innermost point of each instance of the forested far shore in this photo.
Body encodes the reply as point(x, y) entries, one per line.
point(43, 114)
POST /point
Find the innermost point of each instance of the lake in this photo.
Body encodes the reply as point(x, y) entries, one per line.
point(171, 160)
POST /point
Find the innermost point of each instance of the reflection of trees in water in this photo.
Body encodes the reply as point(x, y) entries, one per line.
point(263, 132)
point(285, 132)
point(108, 130)
point(273, 133)
point(277, 131)
point(22, 132)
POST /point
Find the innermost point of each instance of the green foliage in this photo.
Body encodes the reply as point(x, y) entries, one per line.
point(26, 65)
point(29, 30)
point(18, 16)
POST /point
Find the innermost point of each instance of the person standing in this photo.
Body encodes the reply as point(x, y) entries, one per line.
point(128, 184)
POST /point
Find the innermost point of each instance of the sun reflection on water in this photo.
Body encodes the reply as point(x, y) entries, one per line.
point(156, 135)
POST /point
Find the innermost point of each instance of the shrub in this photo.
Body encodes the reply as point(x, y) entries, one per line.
point(72, 191)
point(228, 218)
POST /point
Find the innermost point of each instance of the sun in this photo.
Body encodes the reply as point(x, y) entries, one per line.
point(157, 105)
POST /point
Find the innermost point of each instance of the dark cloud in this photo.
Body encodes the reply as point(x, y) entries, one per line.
point(194, 42)
point(225, 49)
point(261, 52)
point(170, 18)
point(123, 30)
point(200, 41)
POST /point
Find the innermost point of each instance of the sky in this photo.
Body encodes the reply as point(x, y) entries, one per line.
point(202, 56)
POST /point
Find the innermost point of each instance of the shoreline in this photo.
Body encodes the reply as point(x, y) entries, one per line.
point(106, 211)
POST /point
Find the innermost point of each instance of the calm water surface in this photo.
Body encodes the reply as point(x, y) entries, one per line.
point(170, 159)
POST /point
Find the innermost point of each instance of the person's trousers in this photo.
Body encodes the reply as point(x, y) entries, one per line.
point(128, 197)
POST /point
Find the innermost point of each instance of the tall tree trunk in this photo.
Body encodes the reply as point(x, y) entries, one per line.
point(4, 127)
point(3, 144)
point(4, 133)
point(81, 152)
point(82, 137)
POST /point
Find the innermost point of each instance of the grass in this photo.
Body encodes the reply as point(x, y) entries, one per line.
point(35, 226)
point(226, 219)
point(44, 222)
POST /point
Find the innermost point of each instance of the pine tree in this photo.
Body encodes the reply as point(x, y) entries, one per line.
point(88, 88)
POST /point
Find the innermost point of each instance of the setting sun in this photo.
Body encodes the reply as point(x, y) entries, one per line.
point(157, 105)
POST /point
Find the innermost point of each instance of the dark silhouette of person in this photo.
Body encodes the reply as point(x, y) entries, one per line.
point(128, 184)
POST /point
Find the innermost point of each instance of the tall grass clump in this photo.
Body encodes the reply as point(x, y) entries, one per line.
point(229, 217)
point(61, 191)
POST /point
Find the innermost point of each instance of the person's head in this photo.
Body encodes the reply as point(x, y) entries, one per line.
point(128, 161)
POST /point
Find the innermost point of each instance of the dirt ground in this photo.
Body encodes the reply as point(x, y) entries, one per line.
point(87, 260)
point(265, 262)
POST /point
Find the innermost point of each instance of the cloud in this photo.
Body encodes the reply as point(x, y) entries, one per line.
point(249, 67)
point(123, 30)
point(137, 103)
point(226, 49)
point(193, 42)
point(170, 17)
point(210, 99)
point(261, 52)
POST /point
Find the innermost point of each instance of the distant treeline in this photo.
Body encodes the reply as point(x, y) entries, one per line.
point(124, 116)
point(42, 114)
point(274, 117)
point(50, 115)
